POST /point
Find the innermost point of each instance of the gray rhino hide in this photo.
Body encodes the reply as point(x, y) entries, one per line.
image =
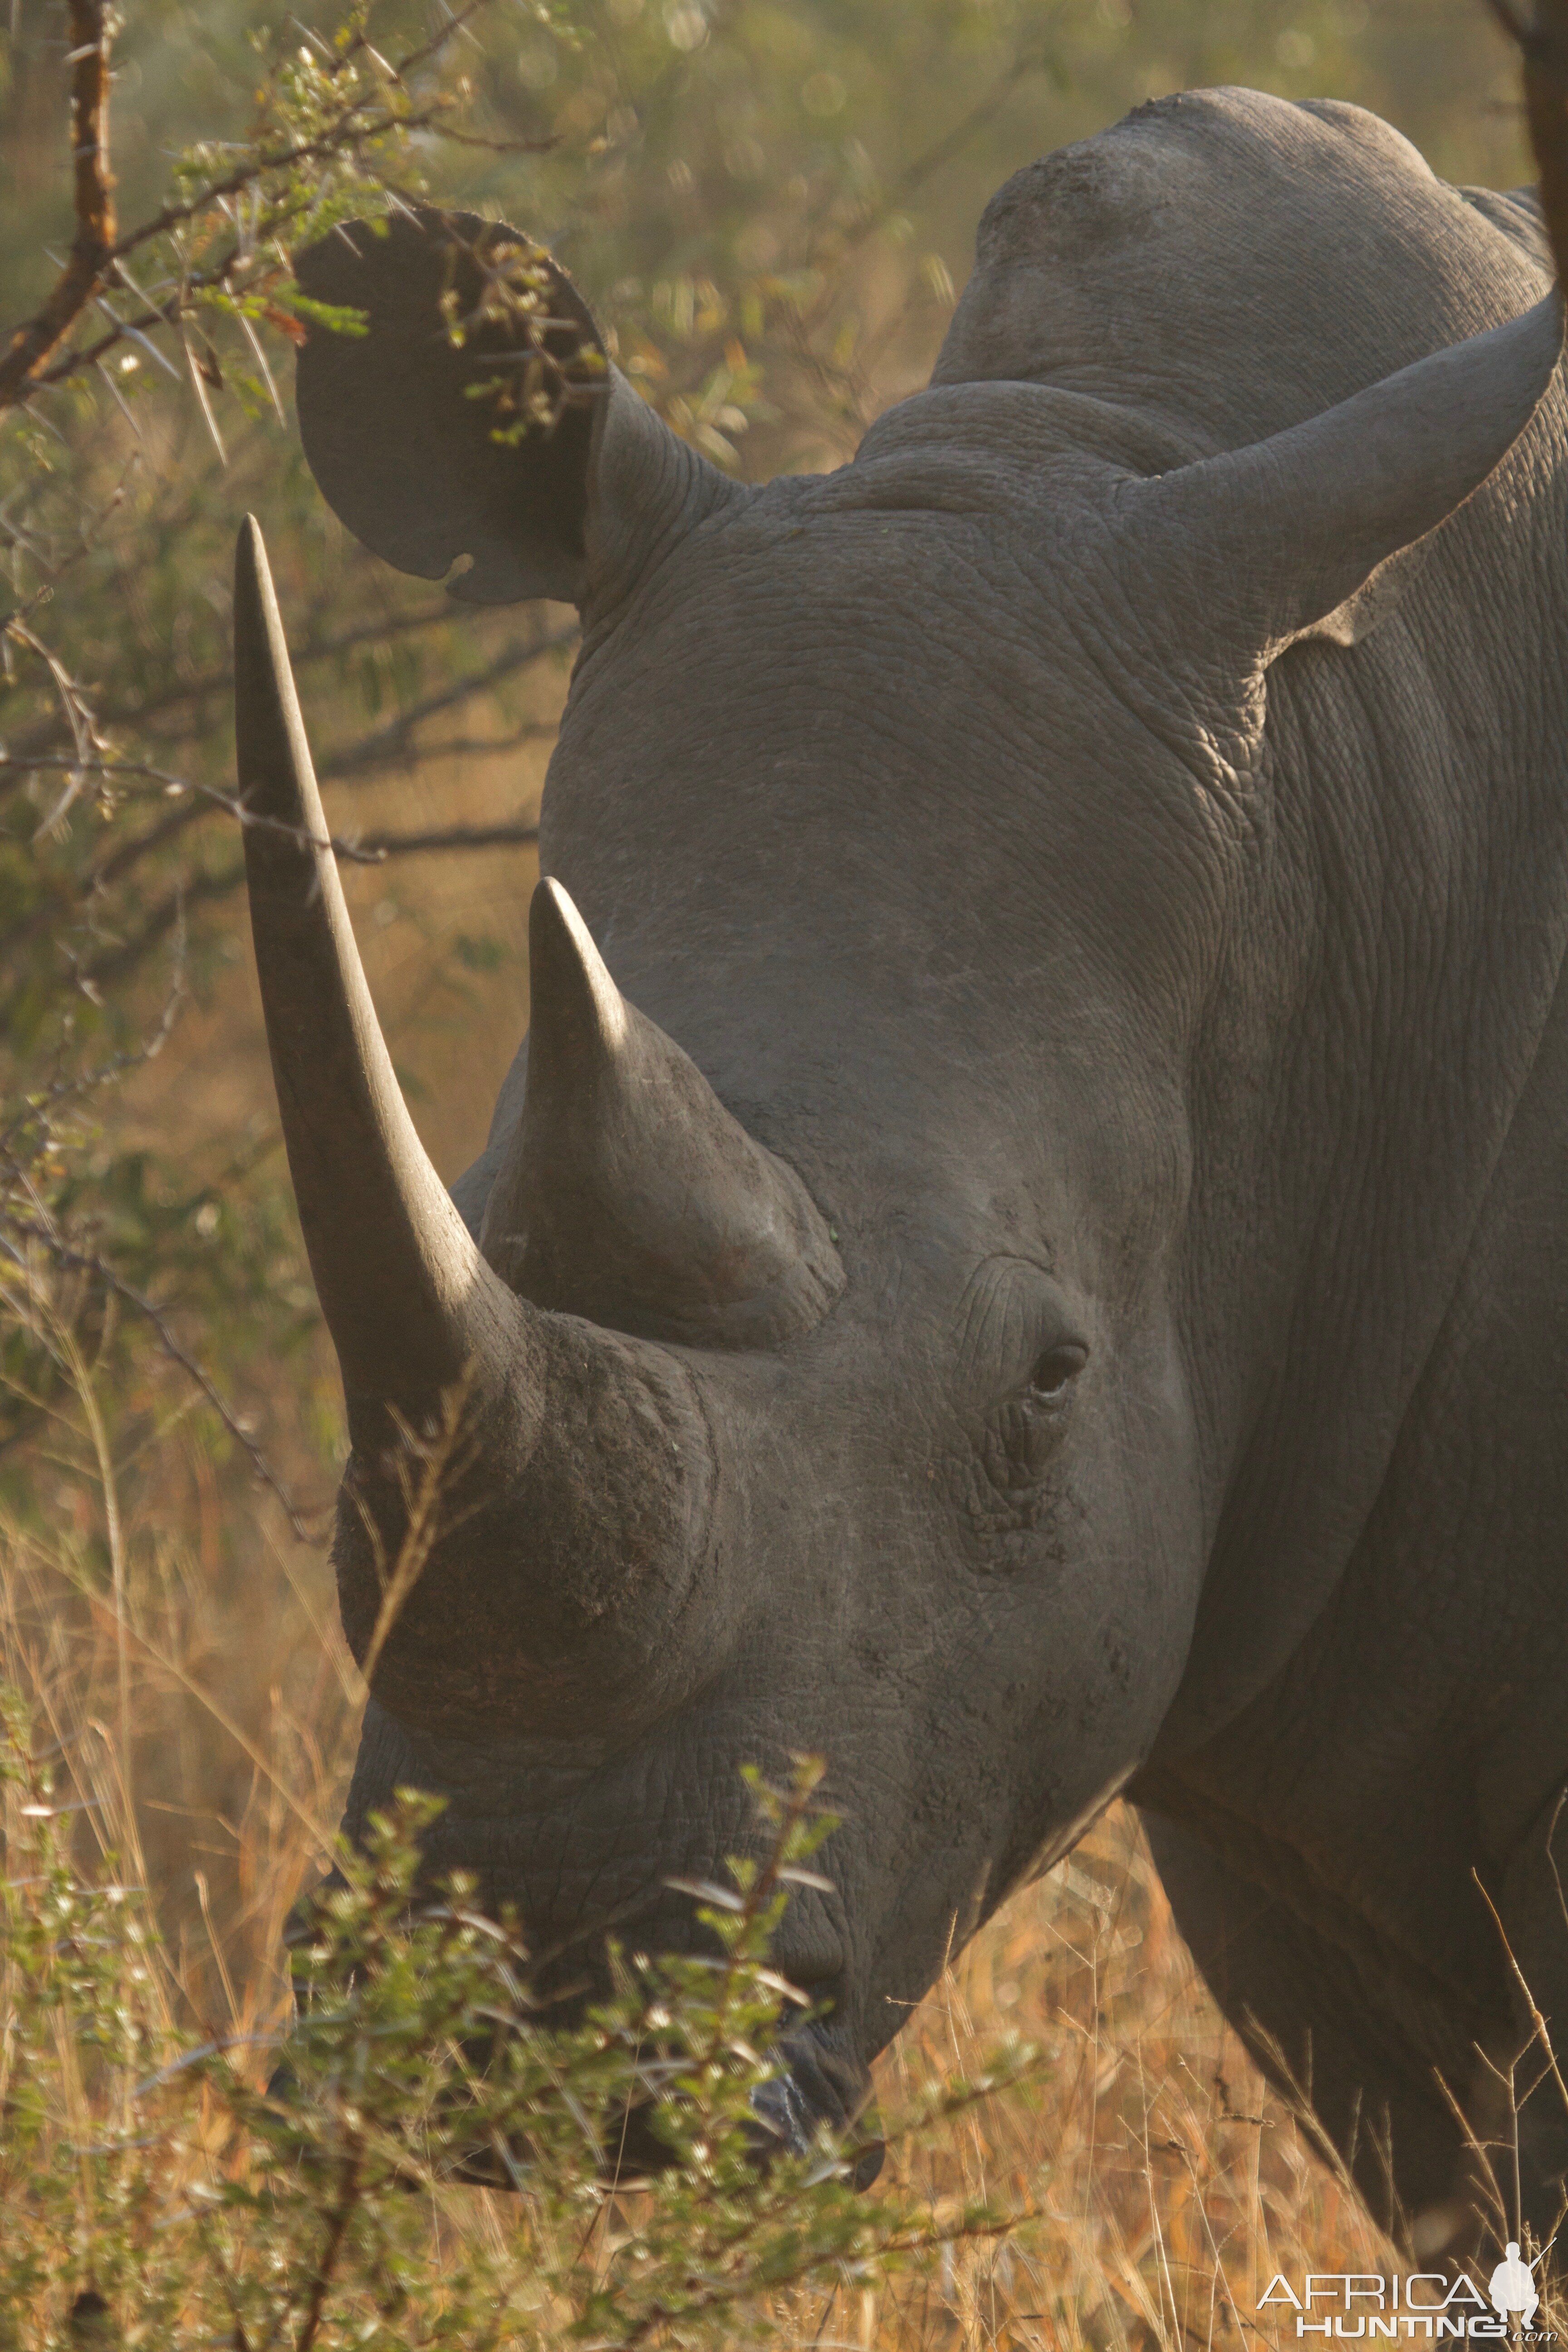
point(1030, 1259)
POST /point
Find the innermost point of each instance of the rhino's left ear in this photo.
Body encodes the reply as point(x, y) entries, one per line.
point(1282, 540)
point(476, 414)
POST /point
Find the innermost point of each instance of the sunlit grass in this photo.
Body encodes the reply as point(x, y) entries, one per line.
point(206, 1727)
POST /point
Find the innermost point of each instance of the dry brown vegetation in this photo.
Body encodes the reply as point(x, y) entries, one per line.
point(205, 1707)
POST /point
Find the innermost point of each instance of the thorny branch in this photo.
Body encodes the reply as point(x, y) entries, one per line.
point(99, 252)
point(28, 1230)
point(76, 1261)
point(222, 243)
point(390, 745)
point(211, 683)
point(353, 849)
point(394, 741)
point(386, 747)
point(92, 26)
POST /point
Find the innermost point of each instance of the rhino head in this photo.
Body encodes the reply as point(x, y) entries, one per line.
point(837, 1321)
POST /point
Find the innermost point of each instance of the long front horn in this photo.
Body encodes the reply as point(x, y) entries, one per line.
point(564, 1589)
point(410, 1301)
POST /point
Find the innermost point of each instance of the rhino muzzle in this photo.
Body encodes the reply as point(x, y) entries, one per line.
point(567, 1575)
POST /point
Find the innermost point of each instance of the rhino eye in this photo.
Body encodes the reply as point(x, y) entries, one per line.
point(1008, 1480)
point(1055, 1372)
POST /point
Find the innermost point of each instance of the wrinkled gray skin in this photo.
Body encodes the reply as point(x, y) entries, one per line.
point(1138, 927)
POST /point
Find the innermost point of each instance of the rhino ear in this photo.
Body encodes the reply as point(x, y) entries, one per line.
point(1296, 536)
point(477, 415)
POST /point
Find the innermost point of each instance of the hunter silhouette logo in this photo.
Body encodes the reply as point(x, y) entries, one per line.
point(1423, 2305)
point(1512, 2288)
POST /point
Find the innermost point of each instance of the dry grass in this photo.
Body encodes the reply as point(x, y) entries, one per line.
point(1172, 2185)
point(206, 1715)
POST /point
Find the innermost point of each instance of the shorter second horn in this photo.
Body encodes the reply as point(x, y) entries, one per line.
point(631, 1196)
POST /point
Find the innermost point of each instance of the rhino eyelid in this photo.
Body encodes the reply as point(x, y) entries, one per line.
point(1055, 1369)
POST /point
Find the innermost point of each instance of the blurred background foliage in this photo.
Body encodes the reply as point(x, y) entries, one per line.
point(770, 204)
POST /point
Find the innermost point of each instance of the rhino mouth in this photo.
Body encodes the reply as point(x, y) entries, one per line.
point(819, 2088)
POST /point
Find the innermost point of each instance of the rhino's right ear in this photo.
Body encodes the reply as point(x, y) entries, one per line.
point(1283, 538)
point(477, 415)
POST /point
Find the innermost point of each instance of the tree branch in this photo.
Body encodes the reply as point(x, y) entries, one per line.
point(75, 1260)
point(383, 845)
point(1542, 41)
point(386, 747)
point(372, 849)
point(93, 247)
point(195, 891)
point(393, 742)
point(202, 889)
point(43, 733)
point(357, 127)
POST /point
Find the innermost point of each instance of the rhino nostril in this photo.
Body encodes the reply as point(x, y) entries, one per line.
point(816, 1975)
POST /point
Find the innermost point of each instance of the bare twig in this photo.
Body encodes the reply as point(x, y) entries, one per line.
point(196, 890)
point(426, 1466)
point(1536, 2019)
point(44, 732)
point(197, 801)
point(354, 849)
point(394, 742)
point(203, 889)
point(75, 1260)
point(383, 845)
point(74, 710)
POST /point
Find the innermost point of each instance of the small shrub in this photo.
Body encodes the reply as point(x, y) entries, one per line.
point(156, 2191)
